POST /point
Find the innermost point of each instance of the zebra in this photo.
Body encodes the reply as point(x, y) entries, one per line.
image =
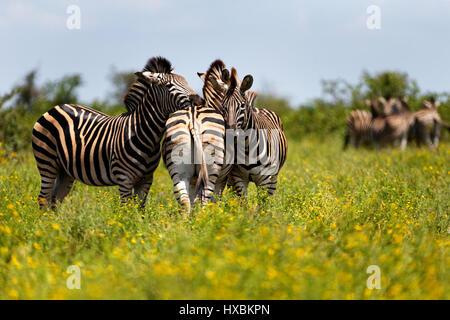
point(261, 143)
point(428, 124)
point(388, 128)
point(216, 81)
point(193, 152)
point(73, 142)
point(358, 128)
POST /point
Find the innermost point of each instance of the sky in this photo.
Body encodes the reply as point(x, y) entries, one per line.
point(288, 46)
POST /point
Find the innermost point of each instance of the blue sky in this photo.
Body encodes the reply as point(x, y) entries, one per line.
point(288, 46)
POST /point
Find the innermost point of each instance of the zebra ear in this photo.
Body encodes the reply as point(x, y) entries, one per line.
point(201, 75)
point(246, 83)
point(225, 75)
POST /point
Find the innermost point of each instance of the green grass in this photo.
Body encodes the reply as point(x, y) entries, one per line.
point(334, 214)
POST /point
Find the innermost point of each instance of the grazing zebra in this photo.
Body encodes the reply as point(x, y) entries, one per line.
point(193, 152)
point(261, 143)
point(388, 129)
point(72, 142)
point(428, 124)
point(358, 128)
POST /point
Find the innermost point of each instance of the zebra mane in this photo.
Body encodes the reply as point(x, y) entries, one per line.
point(134, 94)
point(158, 64)
point(234, 82)
point(215, 71)
point(251, 96)
point(138, 88)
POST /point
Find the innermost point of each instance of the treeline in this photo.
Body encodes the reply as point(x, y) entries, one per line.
point(320, 118)
point(326, 115)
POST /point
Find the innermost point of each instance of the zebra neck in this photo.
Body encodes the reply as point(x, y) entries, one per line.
point(252, 121)
point(151, 117)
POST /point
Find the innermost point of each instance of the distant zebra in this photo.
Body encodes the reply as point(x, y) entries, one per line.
point(358, 128)
point(261, 143)
point(428, 124)
point(71, 142)
point(388, 129)
point(193, 152)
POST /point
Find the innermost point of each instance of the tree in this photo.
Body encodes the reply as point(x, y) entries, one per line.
point(63, 90)
point(27, 93)
point(389, 84)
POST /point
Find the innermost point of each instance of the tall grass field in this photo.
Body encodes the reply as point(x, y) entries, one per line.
point(334, 215)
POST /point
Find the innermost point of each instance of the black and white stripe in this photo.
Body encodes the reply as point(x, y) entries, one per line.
point(261, 146)
point(73, 142)
point(358, 128)
point(193, 152)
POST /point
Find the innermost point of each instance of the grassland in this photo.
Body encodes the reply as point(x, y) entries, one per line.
point(334, 214)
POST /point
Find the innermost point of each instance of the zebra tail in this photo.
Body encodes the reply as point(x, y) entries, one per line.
point(202, 180)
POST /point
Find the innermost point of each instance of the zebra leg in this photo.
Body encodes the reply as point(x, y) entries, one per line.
point(62, 187)
point(219, 187)
point(239, 185)
point(404, 141)
point(125, 191)
point(49, 171)
point(436, 134)
point(356, 142)
point(141, 191)
point(208, 191)
point(270, 185)
point(47, 184)
point(346, 140)
point(181, 190)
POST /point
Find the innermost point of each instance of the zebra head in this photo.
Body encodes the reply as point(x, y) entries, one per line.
point(430, 104)
point(215, 81)
point(171, 90)
point(236, 103)
point(375, 110)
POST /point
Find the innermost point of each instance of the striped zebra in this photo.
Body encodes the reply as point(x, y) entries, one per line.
point(216, 81)
point(388, 128)
point(358, 128)
point(428, 124)
point(72, 142)
point(261, 145)
point(193, 153)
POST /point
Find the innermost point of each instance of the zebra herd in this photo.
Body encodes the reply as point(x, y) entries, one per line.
point(210, 142)
point(390, 121)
